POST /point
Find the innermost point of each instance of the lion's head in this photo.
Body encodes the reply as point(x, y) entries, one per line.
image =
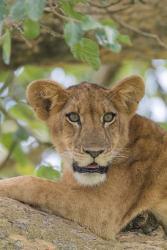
point(88, 123)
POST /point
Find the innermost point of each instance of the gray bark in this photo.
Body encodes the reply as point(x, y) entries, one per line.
point(24, 227)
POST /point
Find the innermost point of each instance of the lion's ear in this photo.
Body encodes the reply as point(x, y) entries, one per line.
point(127, 93)
point(43, 95)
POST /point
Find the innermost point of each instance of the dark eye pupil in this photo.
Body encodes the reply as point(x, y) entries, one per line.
point(108, 117)
point(73, 117)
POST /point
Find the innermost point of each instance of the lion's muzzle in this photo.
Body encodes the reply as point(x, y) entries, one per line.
point(92, 168)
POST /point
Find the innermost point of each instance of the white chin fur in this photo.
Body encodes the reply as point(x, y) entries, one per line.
point(89, 179)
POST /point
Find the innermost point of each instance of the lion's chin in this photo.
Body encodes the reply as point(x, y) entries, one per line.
point(90, 175)
point(89, 179)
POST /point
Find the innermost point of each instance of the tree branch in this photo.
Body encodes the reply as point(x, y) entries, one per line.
point(104, 6)
point(24, 227)
point(56, 13)
point(140, 32)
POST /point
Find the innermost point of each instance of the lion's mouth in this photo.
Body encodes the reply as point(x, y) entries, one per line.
point(92, 168)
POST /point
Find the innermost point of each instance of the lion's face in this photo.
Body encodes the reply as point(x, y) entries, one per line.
point(88, 123)
point(88, 132)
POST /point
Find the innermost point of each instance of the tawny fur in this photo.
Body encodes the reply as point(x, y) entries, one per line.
point(135, 149)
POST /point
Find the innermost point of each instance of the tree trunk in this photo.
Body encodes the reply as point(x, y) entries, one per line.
point(143, 20)
point(23, 227)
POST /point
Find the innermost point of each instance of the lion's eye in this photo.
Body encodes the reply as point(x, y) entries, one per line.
point(109, 117)
point(73, 117)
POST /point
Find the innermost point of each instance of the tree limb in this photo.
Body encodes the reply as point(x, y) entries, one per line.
point(140, 32)
point(23, 227)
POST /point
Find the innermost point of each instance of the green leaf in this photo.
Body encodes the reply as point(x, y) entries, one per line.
point(2, 118)
point(6, 47)
point(125, 39)
point(87, 51)
point(26, 169)
point(35, 9)
point(68, 9)
point(74, 2)
point(20, 156)
point(107, 37)
point(48, 172)
point(88, 23)
point(21, 112)
point(3, 10)
point(7, 139)
point(72, 33)
point(1, 30)
point(109, 22)
point(18, 10)
point(116, 47)
point(21, 134)
point(101, 37)
point(107, 34)
point(31, 29)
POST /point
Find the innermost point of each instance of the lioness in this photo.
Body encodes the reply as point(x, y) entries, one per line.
point(114, 161)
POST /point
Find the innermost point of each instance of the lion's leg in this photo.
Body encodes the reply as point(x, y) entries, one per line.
point(31, 190)
point(160, 213)
point(146, 204)
point(77, 204)
point(145, 222)
point(142, 204)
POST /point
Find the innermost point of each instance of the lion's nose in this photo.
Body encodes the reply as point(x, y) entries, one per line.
point(94, 154)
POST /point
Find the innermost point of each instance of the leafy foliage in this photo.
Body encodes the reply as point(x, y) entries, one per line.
point(17, 11)
point(25, 147)
point(21, 134)
point(34, 9)
point(68, 8)
point(81, 33)
point(2, 10)
point(72, 33)
point(87, 51)
point(6, 46)
point(47, 172)
point(31, 29)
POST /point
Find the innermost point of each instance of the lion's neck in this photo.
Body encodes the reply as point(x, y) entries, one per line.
point(145, 139)
point(144, 129)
